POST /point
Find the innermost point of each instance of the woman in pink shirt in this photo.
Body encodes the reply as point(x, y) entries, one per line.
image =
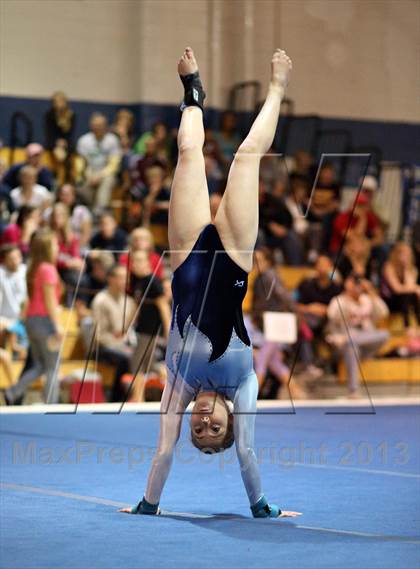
point(42, 318)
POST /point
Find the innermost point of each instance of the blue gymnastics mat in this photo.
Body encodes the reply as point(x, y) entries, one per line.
point(352, 471)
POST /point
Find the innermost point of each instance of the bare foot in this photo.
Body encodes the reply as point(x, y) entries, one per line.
point(281, 65)
point(290, 514)
point(187, 64)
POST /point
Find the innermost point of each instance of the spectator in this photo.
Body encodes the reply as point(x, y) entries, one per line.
point(147, 160)
point(80, 216)
point(213, 174)
point(141, 239)
point(101, 150)
point(156, 201)
point(42, 319)
point(44, 176)
point(160, 135)
point(6, 202)
point(110, 237)
point(361, 221)
point(66, 166)
point(154, 316)
point(12, 285)
point(323, 206)
point(100, 264)
point(297, 203)
point(29, 192)
point(399, 286)
point(113, 311)
point(356, 257)
point(303, 164)
point(20, 232)
point(352, 317)
point(313, 297)
point(69, 262)
point(227, 138)
point(270, 294)
point(60, 121)
point(123, 125)
point(276, 223)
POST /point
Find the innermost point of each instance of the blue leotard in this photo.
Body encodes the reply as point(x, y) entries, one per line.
point(209, 347)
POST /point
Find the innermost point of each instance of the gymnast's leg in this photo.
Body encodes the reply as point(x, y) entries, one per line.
point(189, 209)
point(237, 217)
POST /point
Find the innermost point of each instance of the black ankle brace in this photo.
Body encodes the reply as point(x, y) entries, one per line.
point(193, 91)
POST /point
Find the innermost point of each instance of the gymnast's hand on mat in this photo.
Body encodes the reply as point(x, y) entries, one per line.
point(285, 514)
point(144, 508)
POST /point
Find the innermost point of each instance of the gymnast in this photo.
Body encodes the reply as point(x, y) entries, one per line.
point(209, 354)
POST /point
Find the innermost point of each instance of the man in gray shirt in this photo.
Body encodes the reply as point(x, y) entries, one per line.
point(102, 151)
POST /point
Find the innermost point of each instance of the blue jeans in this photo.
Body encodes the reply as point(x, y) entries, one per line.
point(44, 361)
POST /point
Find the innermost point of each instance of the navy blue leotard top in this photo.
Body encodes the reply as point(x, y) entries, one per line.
point(209, 347)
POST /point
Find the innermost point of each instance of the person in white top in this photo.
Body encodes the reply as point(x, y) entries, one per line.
point(102, 151)
point(352, 317)
point(12, 284)
point(29, 192)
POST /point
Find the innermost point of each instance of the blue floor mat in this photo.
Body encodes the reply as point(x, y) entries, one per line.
point(355, 477)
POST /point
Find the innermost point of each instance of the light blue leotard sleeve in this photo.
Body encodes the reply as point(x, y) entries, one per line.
point(175, 400)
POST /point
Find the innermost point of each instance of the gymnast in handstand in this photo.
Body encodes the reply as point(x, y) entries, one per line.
point(209, 354)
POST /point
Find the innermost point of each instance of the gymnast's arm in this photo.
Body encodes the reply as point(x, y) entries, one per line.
point(175, 400)
point(244, 409)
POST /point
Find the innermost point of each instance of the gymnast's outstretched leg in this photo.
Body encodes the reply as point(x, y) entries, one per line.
point(237, 217)
point(189, 209)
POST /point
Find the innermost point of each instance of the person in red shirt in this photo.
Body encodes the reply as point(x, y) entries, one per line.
point(141, 239)
point(20, 232)
point(69, 261)
point(358, 220)
point(42, 318)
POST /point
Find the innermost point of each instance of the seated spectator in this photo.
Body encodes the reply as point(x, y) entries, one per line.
point(352, 317)
point(399, 286)
point(12, 286)
point(227, 138)
point(123, 125)
point(99, 264)
point(43, 176)
point(156, 201)
point(29, 192)
point(359, 220)
point(69, 262)
point(161, 138)
point(141, 239)
point(102, 152)
point(211, 148)
point(113, 311)
point(213, 174)
point(66, 166)
point(270, 294)
point(42, 319)
point(147, 160)
point(154, 317)
point(60, 121)
point(276, 224)
point(303, 164)
point(355, 257)
point(323, 206)
point(110, 237)
point(297, 203)
point(20, 233)
point(80, 216)
point(313, 297)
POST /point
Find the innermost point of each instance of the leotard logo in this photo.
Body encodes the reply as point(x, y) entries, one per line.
point(239, 283)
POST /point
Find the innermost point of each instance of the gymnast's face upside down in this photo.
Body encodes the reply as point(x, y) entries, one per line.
point(211, 423)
